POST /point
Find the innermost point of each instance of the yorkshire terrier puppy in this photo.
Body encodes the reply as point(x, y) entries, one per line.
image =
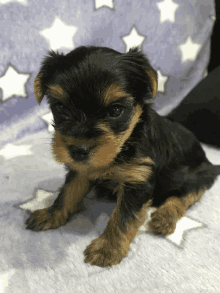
point(109, 137)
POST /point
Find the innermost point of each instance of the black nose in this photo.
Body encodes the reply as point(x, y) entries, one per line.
point(79, 153)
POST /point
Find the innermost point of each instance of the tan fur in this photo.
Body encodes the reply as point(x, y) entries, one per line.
point(132, 172)
point(73, 194)
point(108, 146)
point(38, 89)
point(164, 219)
point(192, 198)
point(133, 226)
point(57, 92)
point(154, 82)
point(114, 93)
point(113, 245)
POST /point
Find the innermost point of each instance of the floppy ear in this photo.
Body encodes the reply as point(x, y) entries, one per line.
point(38, 90)
point(52, 62)
point(153, 79)
point(143, 69)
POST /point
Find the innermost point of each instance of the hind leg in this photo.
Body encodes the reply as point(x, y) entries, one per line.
point(163, 220)
point(190, 185)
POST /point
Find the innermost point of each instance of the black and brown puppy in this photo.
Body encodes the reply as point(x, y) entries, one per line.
point(109, 137)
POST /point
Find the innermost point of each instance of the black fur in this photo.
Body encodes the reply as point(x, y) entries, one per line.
point(85, 73)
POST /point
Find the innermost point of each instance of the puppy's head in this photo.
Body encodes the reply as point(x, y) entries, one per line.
point(96, 96)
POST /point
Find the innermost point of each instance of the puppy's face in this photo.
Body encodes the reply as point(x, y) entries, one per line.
point(97, 96)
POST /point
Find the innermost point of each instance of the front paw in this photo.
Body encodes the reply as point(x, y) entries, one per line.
point(103, 254)
point(43, 220)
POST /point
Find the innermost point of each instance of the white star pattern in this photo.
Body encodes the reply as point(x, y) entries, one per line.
point(189, 50)
point(17, 87)
point(60, 35)
point(162, 79)
point(48, 118)
point(24, 2)
point(167, 10)
point(42, 200)
point(101, 3)
point(10, 151)
point(133, 39)
point(183, 225)
point(4, 280)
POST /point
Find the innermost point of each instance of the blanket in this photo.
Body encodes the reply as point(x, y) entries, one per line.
point(175, 35)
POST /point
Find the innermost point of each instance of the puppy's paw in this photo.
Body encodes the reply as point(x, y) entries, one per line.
point(101, 253)
point(43, 220)
point(163, 221)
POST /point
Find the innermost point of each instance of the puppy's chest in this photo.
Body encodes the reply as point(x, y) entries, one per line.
point(136, 171)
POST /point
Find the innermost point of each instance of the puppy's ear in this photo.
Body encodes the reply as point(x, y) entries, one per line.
point(154, 80)
point(52, 62)
point(39, 92)
point(148, 73)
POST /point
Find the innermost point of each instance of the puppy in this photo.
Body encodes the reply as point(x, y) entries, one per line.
point(110, 138)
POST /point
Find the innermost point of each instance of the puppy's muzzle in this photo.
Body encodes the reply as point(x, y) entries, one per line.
point(79, 153)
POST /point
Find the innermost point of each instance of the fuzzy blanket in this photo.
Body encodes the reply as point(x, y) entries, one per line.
point(176, 37)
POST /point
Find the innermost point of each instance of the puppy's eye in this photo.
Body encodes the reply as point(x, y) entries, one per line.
point(115, 111)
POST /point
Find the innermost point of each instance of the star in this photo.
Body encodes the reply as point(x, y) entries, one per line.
point(183, 225)
point(162, 79)
point(48, 118)
point(133, 39)
point(60, 35)
point(4, 279)
point(42, 200)
point(24, 2)
point(167, 10)
point(10, 151)
point(100, 3)
point(144, 227)
point(15, 88)
point(189, 50)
